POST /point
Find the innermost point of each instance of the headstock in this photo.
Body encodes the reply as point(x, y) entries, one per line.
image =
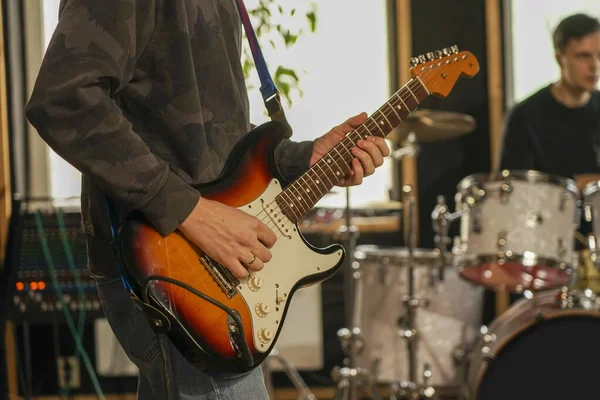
point(439, 70)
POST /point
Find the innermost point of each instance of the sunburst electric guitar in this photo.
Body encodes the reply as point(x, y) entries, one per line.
point(218, 321)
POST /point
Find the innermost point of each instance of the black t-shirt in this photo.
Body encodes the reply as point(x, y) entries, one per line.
point(542, 134)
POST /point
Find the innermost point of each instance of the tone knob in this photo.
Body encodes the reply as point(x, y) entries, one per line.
point(255, 283)
point(454, 49)
point(422, 58)
point(262, 309)
point(438, 54)
point(446, 51)
point(414, 61)
point(429, 56)
point(265, 335)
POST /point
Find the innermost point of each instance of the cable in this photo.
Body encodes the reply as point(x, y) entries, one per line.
point(71, 262)
point(70, 323)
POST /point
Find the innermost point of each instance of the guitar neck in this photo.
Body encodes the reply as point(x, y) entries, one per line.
point(301, 196)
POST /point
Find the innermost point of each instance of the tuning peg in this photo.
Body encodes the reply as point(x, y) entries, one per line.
point(429, 56)
point(422, 58)
point(438, 54)
point(446, 51)
point(414, 61)
point(454, 49)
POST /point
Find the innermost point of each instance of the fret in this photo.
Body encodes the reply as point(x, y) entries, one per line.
point(404, 109)
point(382, 123)
point(411, 92)
point(369, 129)
point(393, 108)
point(316, 182)
point(289, 207)
point(327, 160)
point(298, 195)
point(318, 164)
point(309, 190)
point(363, 136)
point(340, 154)
point(410, 100)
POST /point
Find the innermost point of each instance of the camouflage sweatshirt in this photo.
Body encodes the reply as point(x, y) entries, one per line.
point(145, 98)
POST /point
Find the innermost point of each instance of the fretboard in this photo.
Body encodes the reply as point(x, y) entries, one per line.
point(302, 195)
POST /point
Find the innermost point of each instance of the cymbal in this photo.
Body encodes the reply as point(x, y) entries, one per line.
point(433, 125)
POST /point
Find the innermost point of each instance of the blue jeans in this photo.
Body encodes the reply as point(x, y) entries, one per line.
point(164, 374)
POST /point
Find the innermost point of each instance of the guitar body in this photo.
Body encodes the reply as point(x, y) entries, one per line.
point(204, 332)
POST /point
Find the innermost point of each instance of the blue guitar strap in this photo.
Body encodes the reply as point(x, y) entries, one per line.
point(269, 91)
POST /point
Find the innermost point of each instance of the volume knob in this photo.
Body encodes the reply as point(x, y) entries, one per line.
point(262, 309)
point(265, 335)
point(255, 283)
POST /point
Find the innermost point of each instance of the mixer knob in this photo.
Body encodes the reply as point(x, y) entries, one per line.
point(265, 335)
point(255, 283)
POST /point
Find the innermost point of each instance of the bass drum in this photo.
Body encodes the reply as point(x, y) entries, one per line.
point(541, 348)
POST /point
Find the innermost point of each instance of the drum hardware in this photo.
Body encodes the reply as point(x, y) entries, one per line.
point(407, 323)
point(433, 125)
point(350, 377)
point(409, 148)
point(304, 393)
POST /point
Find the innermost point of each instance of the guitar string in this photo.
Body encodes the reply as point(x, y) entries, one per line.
point(403, 97)
point(263, 216)
point(339, 157)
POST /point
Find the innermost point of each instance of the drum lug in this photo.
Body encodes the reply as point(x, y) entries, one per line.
point(501, 243)
point(505, 191)
point(563, 200)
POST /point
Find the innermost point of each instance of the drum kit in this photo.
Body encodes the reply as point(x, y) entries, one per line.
point(415, 329)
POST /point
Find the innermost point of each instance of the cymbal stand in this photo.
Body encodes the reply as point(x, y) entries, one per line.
point(442, 218)
point(350, 377)
point(304, 392)
point(407, 323)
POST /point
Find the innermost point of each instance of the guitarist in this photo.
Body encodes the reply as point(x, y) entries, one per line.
point(146, 98)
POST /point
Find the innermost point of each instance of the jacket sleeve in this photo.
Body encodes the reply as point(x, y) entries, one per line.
point(293, 158)
point(90, 58)
point(516, 151)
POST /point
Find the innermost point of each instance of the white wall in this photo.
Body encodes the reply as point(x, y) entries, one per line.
point(533, 22)
point(345, 72)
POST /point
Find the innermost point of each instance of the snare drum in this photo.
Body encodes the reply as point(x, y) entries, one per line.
point(539, 349)
point(517, 230)
point(449, 321)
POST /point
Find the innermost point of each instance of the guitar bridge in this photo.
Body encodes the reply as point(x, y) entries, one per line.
point(221, 275)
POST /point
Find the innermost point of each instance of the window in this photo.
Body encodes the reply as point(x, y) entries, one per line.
point(533, 60)
point(346, 73)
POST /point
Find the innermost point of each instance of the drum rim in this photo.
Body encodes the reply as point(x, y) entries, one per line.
point(476, 260)
point(418, 253)
point(591, 188)
point(474, 378)
point(528, 175)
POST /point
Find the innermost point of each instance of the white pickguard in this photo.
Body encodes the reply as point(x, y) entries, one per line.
point(291, 261)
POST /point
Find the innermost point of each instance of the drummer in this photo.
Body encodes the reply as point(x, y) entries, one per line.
point(557, 129)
